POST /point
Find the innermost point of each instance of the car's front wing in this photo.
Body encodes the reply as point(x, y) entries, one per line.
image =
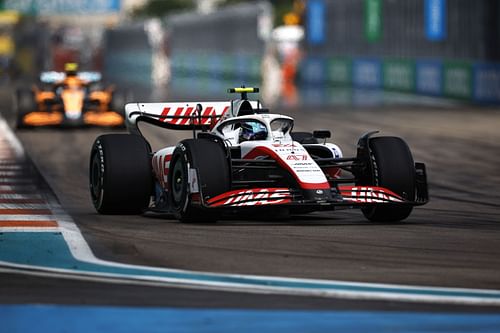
point(343, 196)
point(88, 118)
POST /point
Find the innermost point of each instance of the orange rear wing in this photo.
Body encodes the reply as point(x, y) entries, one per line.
point(181, 115)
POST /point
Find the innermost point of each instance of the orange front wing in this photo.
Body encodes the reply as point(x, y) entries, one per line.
point(38, 118)
point(108, 118)
point(93, 118)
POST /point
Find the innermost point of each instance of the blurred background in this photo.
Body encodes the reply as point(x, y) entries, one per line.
point(300, 52)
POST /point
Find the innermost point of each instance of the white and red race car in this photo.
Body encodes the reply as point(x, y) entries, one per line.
point(243, 158)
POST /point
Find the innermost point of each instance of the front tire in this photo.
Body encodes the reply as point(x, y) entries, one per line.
point(121, 179)
point(210, 161)
point(394, 169)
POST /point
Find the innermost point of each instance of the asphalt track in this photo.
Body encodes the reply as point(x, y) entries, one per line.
point(454, 241)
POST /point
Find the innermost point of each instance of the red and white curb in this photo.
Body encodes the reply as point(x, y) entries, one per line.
point(22, 207)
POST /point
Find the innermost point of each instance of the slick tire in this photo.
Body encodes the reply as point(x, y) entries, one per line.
point(120, 174)
point(210, 161)
point(394, 169)
point(24, 103)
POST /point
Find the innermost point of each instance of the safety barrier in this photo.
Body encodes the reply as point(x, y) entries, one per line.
point(476, 82)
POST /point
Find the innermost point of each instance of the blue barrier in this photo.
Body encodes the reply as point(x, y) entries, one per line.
point(486, 83)
point(367, 73)
point(429, 77)
point(313, 70)
point(467, 81)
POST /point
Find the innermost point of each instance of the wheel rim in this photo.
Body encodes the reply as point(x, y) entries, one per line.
point(179, 179)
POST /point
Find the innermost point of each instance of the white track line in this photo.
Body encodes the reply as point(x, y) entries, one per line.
point(23, 206)
point(20, 196)
point(41, 218)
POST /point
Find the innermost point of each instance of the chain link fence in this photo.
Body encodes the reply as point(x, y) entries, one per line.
point(210, 53)
point(429, 47)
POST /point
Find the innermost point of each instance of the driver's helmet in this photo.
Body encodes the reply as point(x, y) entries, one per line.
point(252, 130)
point(71, 69)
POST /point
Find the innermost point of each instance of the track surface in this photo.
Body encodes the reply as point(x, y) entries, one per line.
point(454, 241)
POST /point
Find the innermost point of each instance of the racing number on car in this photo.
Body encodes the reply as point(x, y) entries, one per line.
point(297, 157)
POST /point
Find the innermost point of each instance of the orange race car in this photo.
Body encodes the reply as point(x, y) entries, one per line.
point(70, 98)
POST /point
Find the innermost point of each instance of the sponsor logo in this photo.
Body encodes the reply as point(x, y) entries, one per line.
point(253, 197)
point(280, 145)
point(161, 167)
point(370, 195)
point(189, 115)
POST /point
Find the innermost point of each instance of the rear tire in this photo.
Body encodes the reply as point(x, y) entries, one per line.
point(394, 169)
point(210, 161)
point(121, 179)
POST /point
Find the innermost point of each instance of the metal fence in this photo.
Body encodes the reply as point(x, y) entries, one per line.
point(470, 27)
point(218, 48)
point(431, 47)
point(199, 52)
point(33, 52)
point(229, 30)
point(134, 56)
point(128, 55)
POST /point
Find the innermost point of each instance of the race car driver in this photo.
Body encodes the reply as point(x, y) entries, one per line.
point(252, 130)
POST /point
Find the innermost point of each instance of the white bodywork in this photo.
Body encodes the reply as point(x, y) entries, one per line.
point(279, 146)
point(278, 143)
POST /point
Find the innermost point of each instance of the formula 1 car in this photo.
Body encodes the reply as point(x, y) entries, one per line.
point(69, 99)
point(243, 158)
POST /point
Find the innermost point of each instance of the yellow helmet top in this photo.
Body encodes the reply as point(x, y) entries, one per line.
point(71, 67)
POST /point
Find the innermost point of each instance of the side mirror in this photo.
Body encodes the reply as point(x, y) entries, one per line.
point(322, 134)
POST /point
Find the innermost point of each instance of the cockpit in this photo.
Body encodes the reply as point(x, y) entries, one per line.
point(238, 130)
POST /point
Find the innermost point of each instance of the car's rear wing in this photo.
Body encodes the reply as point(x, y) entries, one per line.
point(182, 115)
point(53, 77)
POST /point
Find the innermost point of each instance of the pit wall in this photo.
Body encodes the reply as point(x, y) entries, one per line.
point(474, 82)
